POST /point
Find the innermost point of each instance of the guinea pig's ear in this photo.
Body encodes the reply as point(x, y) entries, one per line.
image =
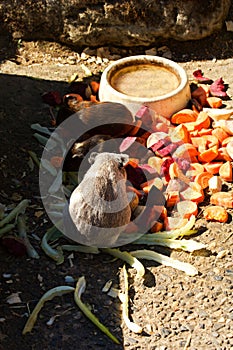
point(124, 158)
point(92, 157)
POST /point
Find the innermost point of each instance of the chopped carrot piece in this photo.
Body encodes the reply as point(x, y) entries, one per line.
point(213, 167)
point(172, 198)
point(211, 140)
point(208, 155)
point(157, 182)
point(215, 213)
point(156, 227)
point(187, 208)
point(197, 141)
point(95, 85)
point(133, 162)
point(93, 98)
point(176, 172)
point(193, 193)
point(204, 132)
point(193, 159)
point(223, 199)
point(163, 214)
point(223, 154)
point(203, 179)
point(184, 116)
point(185, 150)
point(225, 171)
point(229, 149)
point(195, 168)
point(180, 133)
point(220, 133)
point(225, 141)
point(214, 102)
point(193, 133)
point(203, 121)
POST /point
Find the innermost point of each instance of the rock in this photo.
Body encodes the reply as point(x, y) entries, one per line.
point(123, 23)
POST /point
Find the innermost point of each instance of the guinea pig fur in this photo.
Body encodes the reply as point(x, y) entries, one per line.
point(99, 206)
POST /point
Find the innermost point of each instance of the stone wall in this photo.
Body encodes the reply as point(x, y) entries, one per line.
point(124, 23)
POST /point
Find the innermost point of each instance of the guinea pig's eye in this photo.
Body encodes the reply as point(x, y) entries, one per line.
point(120, 164)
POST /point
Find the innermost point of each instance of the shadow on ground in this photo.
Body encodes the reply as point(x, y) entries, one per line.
point(20, 106)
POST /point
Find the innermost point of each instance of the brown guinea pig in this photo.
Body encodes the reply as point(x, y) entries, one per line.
point(106, 118)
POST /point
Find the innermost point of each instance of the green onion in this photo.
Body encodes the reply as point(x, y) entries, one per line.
point(48, 166)
point(32, 253)
point(6, 229)
point(55, 254)
point(127, 257)
point(20, 209)
point(187, 245)
point(42, 129)
point(80, 248)
point(165, 260)
point(124, 297)
point(49, 295)
point(80, 288)
point(34, 158)
point(42, 139)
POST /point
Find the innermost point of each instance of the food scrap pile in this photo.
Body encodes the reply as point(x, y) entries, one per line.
point(188, 158)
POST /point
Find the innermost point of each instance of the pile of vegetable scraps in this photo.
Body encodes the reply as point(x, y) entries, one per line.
point(189, 165)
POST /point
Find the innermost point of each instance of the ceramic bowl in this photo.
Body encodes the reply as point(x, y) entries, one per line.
point(153, 81)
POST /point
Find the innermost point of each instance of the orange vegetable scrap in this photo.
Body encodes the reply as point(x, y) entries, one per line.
point(195, 169)
point(187, 208)
point(229, 149)
point(184, 116)
point(223, 199)
point(220, 133)
point(215, 213)
point(223, 154)
point(208, 155)
point(172, 223)
point(225, 171)
point(156, 227)
point(56, 161)
point(214, 102)
point(180, 133)
point(215, 184)
point(172, 198)
point(203, 179)
point(193, 193)
point(213, 167)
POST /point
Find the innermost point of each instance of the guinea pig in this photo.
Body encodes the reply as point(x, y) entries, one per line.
point(99, 208)
point(108, 118)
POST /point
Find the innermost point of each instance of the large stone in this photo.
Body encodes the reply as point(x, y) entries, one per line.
point(125, 23)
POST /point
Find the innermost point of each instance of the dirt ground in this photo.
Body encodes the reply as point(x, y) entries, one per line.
point(176, 311)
